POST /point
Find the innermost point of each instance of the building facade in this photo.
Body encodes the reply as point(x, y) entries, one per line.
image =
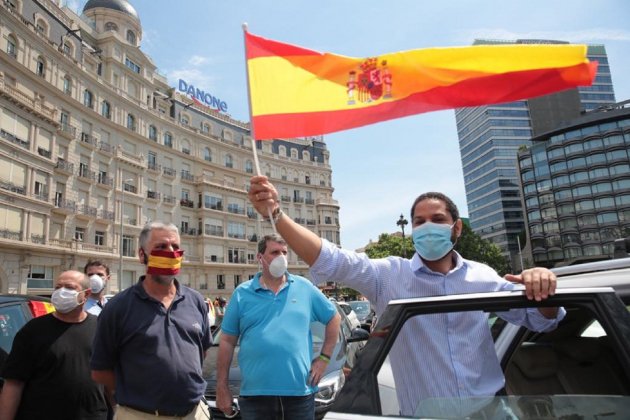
point(94, 143)
point(576, 188)
point(490, 136)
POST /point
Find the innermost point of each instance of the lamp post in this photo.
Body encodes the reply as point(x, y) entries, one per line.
point(402, 222)
point(122, 211)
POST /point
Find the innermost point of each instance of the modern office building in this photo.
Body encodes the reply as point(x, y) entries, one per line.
point(576, 188)
point(490, 136)
point(94, 143)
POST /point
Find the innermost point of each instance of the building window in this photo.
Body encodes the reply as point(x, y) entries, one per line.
point(12, 46)
point(229, 162)
point(40, 68)
point(207, 154)
point(168, 139)
point(152, 133)
point(249, 167)
point(133, 66)
point(106, 109)
point(205, 128)
point(185, 120)
point(220, 281)
point(67, 85)
point(99, 238)
point(131, 122)
point(131, 37)
point(111, 26)
point(88, 98)
point(237, 280)
point(67, 48)
point(41, 27)
point(79, 233)
point(128, 246)
point(40, 277)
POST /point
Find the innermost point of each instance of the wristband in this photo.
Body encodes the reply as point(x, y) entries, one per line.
point(275, 215)
point(324, 357)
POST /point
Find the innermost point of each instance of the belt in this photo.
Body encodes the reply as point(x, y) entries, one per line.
point(162, 413)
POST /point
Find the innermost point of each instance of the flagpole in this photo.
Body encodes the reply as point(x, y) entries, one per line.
point(251, 129)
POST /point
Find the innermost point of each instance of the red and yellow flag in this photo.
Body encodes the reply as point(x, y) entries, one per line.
point(298, 92)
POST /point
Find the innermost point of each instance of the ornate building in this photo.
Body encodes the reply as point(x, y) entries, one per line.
point(94, 143)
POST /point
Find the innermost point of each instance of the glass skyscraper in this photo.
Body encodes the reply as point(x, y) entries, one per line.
point(490, 137)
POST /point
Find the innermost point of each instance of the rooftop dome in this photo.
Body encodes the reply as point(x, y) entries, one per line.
point(119, 5)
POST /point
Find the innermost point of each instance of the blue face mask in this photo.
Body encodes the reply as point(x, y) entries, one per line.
point(432, 240)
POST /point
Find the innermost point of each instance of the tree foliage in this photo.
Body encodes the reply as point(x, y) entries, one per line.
point(470, 245)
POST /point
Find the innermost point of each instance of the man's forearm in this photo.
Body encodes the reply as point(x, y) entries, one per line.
point(10, 398)
point(331, 335)
point(224, 360)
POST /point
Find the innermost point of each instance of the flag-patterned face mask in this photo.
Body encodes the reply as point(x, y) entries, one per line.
point(165, 263)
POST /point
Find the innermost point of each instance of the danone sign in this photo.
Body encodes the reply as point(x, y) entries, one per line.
point(204, 97)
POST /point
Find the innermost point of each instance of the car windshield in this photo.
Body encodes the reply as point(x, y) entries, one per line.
point(361, 308)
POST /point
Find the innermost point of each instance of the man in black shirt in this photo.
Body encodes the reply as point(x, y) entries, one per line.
point(47, 374)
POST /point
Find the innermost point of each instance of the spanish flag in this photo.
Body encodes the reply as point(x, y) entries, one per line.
point(296, 92)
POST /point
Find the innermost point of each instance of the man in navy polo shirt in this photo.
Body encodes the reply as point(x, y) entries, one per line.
point(152, 337)
point(271, 314)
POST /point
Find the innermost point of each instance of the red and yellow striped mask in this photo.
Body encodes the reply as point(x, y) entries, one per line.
point(166, 263)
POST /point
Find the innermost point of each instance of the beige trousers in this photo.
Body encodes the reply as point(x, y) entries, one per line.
point(126, 413)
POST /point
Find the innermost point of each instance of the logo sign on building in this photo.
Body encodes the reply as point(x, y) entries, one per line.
point(206, 98)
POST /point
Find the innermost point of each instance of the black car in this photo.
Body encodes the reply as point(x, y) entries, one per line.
point(342, 361)
point(15, 311)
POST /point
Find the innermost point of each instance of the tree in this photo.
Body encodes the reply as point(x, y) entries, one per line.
point(470, 245)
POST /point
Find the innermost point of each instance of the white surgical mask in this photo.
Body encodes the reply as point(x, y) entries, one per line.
point(96, 283)
point(278, 266)
point(65, 300)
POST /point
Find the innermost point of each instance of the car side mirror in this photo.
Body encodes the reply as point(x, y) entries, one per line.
point(358, 334)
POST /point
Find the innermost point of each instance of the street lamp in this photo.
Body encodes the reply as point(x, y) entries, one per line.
point(402, 222)
point(122, 211)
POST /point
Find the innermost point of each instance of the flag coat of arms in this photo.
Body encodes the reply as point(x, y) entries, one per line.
point(296, 92)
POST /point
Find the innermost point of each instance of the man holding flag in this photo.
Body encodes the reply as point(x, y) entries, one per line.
point(426, 348)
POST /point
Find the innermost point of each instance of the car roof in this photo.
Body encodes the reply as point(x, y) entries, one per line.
point(8, 298)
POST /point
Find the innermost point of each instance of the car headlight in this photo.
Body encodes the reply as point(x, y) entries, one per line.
point(329, 387)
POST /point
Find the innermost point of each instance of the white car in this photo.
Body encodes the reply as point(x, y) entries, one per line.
point(352, 316)
point(579, 370)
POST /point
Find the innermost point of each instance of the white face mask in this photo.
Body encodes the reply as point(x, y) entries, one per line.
point(96, 283)
point(278, 266)
point(65, 300)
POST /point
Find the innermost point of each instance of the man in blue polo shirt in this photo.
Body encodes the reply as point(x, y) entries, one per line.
point(271, 315)
point(152, 337)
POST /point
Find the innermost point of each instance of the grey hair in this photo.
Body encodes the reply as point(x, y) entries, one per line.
point(262, 244)
point(149, 227)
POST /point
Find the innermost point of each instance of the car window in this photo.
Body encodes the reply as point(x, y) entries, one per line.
point(11, 320)
point(360, 307)
point(346, 309)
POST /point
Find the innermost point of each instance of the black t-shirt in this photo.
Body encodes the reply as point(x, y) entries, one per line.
point(52, 358)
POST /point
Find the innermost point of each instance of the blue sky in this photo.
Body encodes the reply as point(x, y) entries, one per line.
point(378, 170)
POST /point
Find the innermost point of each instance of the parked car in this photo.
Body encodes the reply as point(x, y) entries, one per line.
point(15, 311)
point(364, 312)
point(352, 317)
point(579, 370)
point(342, 360)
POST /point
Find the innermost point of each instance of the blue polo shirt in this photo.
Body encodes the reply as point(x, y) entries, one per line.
point(156, 353)
point(276, 347)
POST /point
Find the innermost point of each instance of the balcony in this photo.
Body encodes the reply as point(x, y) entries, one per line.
point(9, 186)
point(311, 222)
point(129, 188)
point(188, 231)
point(214, 231)
point(34, 105)
point(154, 195)
point(42, 196)
point(105, 215)
point(185, 151)
point(236, 235)
point(298, 199)
point(104, 180)
point(286, 198)
point(235, 210)
point(213, 259)
point(64, 206)
point(105, 147)
point(11, 234)
point(253, 238)
point(169, 199)
point(184, 202)
point(88, 139)
point(187, 176)
point(15, 140)
point(131, 158)
point(169, 172)
point(68, 131)
point(252, 215)
point(38, 239)
point(85, 174)
point(64, 166)
point(309, 201)
point(88, 211)
point(152, 166)
point(44, 153)
point(214, 206)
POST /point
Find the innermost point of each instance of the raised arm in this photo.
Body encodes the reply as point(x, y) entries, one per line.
point(264, 196)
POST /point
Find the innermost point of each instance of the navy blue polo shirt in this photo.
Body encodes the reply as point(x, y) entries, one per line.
point(276, 347)
point(155, 353)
